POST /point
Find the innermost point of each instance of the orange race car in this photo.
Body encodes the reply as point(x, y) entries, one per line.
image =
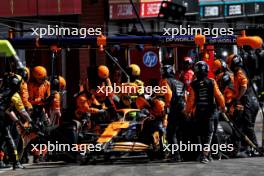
point(132, 135)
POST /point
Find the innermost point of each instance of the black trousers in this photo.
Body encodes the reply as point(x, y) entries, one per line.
point(246, 119)
point(7, 139)
point(205, 127)
point(173, 128)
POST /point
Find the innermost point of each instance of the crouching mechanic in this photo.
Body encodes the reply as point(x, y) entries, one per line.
point(57, 93)
point(201, 101)
point(174, 101)
point(225, 81)
point(157, 121)
point(24, 91)
point(40, 98)
point(86, 106)
point(11, 99)
point(39, 92)
point(245, 97)
point(107, 99)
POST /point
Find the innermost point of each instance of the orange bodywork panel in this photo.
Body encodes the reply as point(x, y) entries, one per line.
point(130, 146)
point(111, 131)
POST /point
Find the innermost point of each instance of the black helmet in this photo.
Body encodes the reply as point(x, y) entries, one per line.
point(201, 69)
point(12, 81)
point(167, 70)
point(226, 81)
point(235, 61)
point(24, 73)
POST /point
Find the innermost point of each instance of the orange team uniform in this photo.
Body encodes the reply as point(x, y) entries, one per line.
point(101, 96)
point(240, 80)
point(168, 93)
point(84, 105)
point(37, 92)
point(228, 92)
point(25, 95)
point(190, 106)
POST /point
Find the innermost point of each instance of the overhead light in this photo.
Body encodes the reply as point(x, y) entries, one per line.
point(224, 53)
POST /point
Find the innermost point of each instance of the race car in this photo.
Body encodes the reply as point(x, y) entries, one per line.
point(133, 134)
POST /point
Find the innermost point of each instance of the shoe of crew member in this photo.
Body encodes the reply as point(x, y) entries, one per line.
point(2, 164)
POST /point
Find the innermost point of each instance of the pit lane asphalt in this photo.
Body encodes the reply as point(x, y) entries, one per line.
point(241, 167)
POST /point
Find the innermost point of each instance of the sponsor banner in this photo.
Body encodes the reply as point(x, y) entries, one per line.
point(122, 9)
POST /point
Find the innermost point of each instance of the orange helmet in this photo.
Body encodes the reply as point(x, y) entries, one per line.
point(103, 72)
point(141, 103)
point(39, 72)
point(217, 67)
point(62, 83)
point(158, 107)
point(217, 64)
